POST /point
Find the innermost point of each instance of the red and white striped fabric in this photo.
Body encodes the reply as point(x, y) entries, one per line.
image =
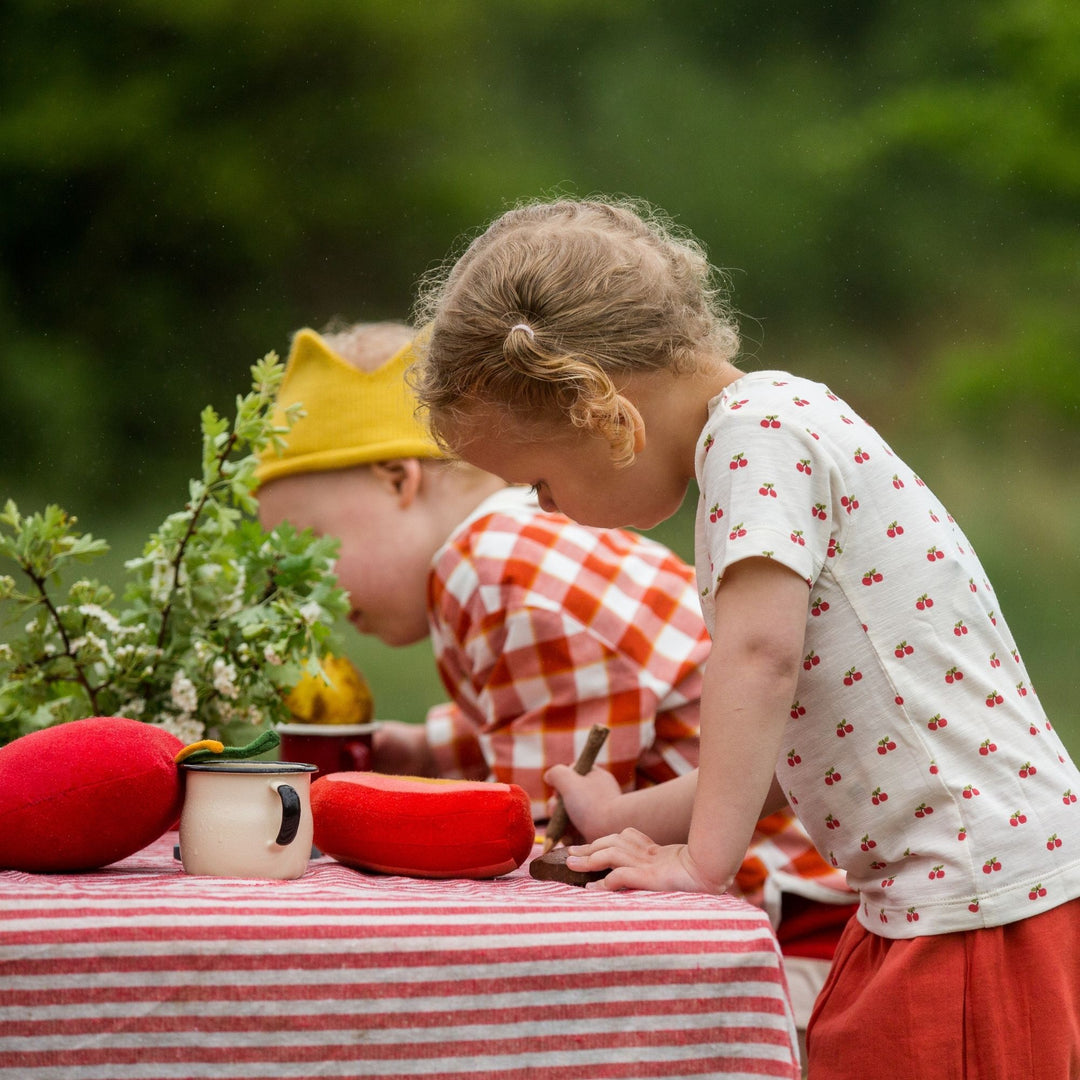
point(140, 971)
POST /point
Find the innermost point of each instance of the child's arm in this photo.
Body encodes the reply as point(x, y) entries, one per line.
point(402, 749)
point(597, 807)
point(749, 686)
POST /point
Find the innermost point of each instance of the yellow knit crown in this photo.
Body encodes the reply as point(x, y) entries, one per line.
point(352, 417)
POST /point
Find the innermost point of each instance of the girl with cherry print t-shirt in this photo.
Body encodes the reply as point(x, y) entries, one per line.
point(917, 755)
point(859, 662)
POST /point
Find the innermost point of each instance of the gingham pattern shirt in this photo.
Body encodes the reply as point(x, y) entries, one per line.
point(541, 628)
point(917, 754)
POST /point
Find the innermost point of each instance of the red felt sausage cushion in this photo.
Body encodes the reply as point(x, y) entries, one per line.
point(420, 827)
point(83, 794)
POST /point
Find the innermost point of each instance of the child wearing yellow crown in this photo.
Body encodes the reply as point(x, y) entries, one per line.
point(540, 627)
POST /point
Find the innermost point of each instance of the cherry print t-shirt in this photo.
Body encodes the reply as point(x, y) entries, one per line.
point(917, 754)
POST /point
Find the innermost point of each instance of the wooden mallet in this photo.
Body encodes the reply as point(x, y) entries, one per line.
point(557, 826)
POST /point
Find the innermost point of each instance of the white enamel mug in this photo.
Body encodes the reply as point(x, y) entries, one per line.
point(247, 819)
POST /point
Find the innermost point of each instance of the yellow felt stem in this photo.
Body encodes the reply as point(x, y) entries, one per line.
point(203, 744)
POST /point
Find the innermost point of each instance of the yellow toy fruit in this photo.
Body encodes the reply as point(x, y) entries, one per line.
point(345, 699)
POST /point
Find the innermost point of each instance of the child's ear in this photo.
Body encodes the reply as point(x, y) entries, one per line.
point(402, 477)
point(629, 415)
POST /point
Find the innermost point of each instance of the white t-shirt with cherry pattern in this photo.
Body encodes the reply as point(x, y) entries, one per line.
point(917, 755)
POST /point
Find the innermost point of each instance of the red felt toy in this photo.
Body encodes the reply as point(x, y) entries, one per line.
point(420, 827)
point(84, 794)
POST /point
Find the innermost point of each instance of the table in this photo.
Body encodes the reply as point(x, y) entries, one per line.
point(141, 972)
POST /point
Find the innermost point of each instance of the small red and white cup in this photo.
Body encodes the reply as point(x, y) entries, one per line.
point(329, 747)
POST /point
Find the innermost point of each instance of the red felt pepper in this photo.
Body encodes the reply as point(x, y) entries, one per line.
point(83, 794)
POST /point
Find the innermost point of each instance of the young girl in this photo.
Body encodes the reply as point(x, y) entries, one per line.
point(861, 667)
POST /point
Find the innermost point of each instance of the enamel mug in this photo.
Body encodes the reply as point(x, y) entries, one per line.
point(247, 819)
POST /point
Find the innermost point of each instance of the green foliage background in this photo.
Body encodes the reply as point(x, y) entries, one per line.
point(893, 188)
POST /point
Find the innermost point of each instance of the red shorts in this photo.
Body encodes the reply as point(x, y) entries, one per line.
point(995, 1004)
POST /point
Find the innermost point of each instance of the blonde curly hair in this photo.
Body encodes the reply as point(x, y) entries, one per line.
point(553, 302)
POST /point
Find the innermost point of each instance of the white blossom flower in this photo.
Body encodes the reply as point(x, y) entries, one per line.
point(225, 679)
point(106, 618)
point(161, 578)
point(186, 729)
point(183, 694)
point(310, 612)
point(101, 645)
point(208, 571)
point(201, 596)
point(234, 602)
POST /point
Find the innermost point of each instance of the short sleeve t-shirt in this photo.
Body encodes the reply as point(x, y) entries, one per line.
point(917, 755)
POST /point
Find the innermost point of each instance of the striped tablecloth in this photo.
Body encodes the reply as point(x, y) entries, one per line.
point(140, 971)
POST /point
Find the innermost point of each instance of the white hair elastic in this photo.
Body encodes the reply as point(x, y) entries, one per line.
point(524, 326)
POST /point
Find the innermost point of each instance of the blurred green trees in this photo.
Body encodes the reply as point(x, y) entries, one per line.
point(893, 187)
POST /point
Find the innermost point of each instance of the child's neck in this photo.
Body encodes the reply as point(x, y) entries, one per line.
point(462, 490)
point(675, 407)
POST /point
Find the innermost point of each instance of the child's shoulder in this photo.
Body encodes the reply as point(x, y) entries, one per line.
point(510, 522)
point(774, 400)
point(510, 509)
point(756, 389)
point(510, 525)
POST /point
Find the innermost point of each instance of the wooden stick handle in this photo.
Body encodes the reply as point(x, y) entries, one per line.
point(557, 826)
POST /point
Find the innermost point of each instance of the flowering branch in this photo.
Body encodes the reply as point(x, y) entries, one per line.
point(219, 617)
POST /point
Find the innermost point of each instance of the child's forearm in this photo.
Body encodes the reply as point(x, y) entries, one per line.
point(597, 808)
point(734, 791)
point(662, 811)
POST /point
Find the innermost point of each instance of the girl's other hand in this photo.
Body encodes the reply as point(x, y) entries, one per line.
point(638, 863)
point(588, 799)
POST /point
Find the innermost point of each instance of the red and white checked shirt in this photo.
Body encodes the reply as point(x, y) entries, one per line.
point(542, 628)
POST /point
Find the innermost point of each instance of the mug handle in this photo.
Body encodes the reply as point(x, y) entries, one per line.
point(290, 814)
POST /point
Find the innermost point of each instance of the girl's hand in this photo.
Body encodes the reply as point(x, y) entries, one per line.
point(588, 799)
point(637, 863)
